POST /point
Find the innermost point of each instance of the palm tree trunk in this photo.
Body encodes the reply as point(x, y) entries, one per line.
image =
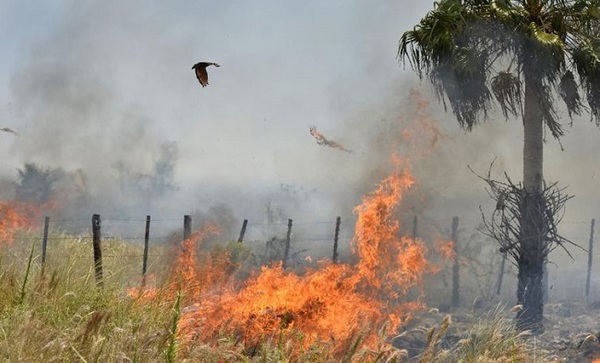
point(533, 148)
point(530, 292)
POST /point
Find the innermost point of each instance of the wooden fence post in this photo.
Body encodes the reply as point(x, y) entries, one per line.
point(45, 244)
point(45, 239)
point(243, 231)
point(502, 266)
point(415, 230)
point(338, 222)
point(146, 245)
point(287, 244)
point(501, 275)
point(455, 268)
point(187, 226)
point(96, 223)
point(590, 258)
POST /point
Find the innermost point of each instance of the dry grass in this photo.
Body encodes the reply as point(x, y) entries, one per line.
point(491, 338)
point(62, 316)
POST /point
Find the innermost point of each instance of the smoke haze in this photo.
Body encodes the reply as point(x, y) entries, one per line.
point(105, 92)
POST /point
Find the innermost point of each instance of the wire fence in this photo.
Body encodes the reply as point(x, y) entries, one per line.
point(132, 230)
point(307, 238)
point(316, 237)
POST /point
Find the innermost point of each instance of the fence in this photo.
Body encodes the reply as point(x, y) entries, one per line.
point(333, 236)
point(96, 237)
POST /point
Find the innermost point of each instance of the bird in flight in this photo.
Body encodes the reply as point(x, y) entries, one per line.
point(9, 130)
point(322, 140)
point(201, 74)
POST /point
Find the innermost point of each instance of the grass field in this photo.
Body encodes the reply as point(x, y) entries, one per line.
point(61, 315)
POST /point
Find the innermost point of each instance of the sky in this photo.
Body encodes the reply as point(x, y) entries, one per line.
point(100, 88)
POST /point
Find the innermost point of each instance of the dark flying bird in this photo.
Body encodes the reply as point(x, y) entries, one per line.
point(201, 74)
point(6, 129)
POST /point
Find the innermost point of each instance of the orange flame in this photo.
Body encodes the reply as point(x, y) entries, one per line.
point(15, 216)
point(192, 272)
point(423, 133)
point(189, 273)
point(446, 249)
point(331, 304)
point(387, 262)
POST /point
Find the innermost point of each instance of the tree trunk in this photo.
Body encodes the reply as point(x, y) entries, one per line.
point(530, 292)
point(530, 288)
point(533, 146)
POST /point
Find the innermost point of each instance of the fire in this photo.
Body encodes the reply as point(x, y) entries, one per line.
point(324, 305)
point(332, 304)
point(446, 249)
point(192, 272)
point(387, 262)
point(15, 216)
point(423, 133)
point(189, 272)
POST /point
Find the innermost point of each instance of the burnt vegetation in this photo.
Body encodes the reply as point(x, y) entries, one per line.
point(528, 244)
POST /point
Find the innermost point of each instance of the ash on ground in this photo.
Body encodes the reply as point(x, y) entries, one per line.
point(572, 331)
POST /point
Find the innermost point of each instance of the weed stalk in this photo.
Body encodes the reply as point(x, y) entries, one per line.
point(24, 285)
point(172, 349)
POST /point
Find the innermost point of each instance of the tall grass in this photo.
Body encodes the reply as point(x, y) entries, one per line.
point(491, 337)
point(62, 316)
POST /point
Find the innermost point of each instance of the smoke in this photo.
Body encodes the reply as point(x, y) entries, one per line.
point(105, 93)
point(75, 115)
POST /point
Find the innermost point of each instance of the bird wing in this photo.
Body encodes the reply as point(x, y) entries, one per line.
point(7, 129)
point(317, 135)
point(322, 140)
point(202, 75)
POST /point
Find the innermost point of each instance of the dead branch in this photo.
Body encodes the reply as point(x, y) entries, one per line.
point(504, 224)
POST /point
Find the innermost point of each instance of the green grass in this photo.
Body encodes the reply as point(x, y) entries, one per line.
point(61, 315)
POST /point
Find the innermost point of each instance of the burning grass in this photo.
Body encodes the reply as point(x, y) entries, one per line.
point(330, 305)
point(16, 217)
point(203, 310)
point(62, 316)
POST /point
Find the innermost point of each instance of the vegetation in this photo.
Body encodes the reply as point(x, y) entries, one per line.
point(58, 314)
point(36, 184)
point(520, 53)
point(491, 339)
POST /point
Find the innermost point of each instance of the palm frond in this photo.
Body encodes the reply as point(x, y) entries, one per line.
point(586, 59)
point(469, 99)
point(432, 40)
point(507, 89)
point(549, 116)
point(569, 92)
point(555, 45)
point(543, 54)
point(543, 37)
point(503, 11)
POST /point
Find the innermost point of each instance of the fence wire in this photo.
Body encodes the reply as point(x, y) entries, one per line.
point(308, 237)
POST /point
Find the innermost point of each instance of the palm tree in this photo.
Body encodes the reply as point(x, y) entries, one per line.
point(520, 55)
